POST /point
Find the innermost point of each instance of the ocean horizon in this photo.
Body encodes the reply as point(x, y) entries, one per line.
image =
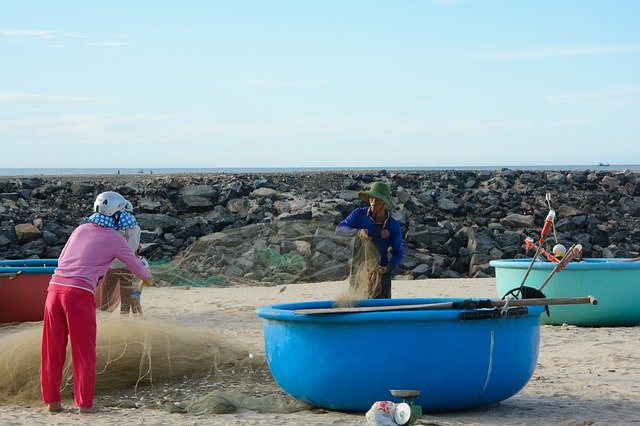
point(203, 170)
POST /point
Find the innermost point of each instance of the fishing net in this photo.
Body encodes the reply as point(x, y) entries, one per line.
point(364, 283)
point(138, 352)
point(130, 353)
point(280, 252)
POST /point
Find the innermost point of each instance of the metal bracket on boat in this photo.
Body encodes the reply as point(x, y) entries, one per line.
point(10, 275)
point(504, 311)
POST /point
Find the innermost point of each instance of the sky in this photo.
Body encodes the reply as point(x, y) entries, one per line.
point(331, 83)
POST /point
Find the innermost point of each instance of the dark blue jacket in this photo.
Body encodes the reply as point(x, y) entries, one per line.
point(360, 219)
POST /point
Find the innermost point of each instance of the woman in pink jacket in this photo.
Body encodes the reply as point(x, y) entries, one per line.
point(70, 308)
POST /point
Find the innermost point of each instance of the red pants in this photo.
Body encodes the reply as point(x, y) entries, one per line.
point(69, 313)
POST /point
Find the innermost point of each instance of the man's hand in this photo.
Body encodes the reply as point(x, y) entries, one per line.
point(377, 273)
point(363, 234)
point(381, 270)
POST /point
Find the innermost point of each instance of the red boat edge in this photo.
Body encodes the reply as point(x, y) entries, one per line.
point(23, 289)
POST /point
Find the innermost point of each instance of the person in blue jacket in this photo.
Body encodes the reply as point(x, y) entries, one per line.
point(376, 223)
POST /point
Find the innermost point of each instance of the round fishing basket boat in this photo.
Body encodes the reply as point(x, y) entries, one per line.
point(347, 361)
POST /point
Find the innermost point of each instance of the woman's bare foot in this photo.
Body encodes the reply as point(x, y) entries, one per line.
point(87, 410)
point(54, 407)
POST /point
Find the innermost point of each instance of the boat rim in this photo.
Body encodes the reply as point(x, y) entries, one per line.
point(583, 265)
point(286, 311)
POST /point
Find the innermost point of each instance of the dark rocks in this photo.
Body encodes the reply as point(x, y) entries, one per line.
point(190, 204)
point(454, 222)
point(4, 241)
point(430, 237)
point(151, 221)
point(517, 221)
point(27, 232)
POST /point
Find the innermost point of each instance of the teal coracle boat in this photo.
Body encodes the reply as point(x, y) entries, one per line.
point(614, 282)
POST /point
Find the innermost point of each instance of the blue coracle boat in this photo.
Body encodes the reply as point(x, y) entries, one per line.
point(348, 361)
point(614, 282)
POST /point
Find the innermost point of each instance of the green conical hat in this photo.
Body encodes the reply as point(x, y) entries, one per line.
point(380, 191)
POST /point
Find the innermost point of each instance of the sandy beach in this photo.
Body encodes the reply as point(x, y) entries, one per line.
point(583, 376)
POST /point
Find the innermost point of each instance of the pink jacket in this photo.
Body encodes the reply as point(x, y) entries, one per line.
point(89, 253)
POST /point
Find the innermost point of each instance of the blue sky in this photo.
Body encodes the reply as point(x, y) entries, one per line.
point(332, 83)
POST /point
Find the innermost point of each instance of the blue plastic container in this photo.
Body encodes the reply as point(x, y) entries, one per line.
point(349, 361)
point(614, 282)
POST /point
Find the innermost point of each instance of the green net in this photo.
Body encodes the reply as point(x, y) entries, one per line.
point(281, 252)
point(283, 267)
point(165, 271)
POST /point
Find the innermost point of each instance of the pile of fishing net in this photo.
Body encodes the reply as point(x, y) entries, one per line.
point(130, 353)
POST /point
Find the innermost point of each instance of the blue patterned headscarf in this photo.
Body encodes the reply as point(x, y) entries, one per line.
point(102, 220)
point(127, 221)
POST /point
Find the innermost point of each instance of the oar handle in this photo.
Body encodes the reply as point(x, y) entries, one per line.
point(311, 311)
point(451, 305)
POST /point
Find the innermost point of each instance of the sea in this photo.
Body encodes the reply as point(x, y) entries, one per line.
point(258, 170)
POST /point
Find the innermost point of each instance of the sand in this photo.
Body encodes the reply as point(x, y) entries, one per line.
point(583, 376)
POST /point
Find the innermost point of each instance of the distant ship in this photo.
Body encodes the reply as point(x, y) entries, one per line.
point(603, 164)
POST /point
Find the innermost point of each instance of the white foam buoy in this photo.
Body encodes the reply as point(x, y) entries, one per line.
point(559, 251)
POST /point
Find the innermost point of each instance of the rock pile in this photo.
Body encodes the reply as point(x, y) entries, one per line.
point(454, 222)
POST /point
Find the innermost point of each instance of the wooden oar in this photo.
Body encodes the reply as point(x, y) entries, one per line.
point(452, 305)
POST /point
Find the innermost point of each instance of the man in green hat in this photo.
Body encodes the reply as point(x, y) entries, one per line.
point(376, 223)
